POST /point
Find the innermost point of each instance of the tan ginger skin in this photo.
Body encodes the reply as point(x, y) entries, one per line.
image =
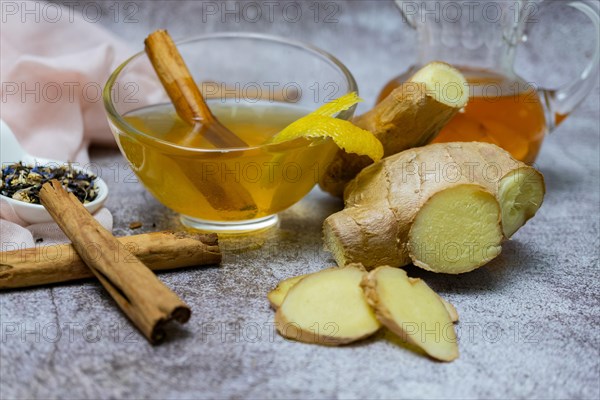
point(412, 115)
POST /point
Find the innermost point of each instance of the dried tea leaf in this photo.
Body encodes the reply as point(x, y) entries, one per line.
point(23, 182)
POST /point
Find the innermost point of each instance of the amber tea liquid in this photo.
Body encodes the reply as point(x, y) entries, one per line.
point(500, 111)
point(175, 166)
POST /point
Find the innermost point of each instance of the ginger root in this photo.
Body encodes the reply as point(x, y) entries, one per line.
point(444, 207)
point(410, 309)
point(412, 115)
point(327, 307)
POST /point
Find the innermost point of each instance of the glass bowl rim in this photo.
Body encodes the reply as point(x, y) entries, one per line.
point(117, 119)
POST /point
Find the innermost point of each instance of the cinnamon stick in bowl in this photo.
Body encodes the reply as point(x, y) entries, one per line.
point(189, 104)
point(60, 263)
point(138, 292)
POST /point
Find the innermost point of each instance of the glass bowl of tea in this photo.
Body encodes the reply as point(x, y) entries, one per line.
point(255, 85)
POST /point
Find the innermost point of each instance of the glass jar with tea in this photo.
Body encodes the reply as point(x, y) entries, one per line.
point(480, 38)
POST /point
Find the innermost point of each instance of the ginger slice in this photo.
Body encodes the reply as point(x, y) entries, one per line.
point(410, 309)
point(457, 230)
point(451, 309)
point(327, 307)
point(277, 295)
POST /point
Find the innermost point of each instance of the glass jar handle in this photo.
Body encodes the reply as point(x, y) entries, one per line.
point(560, 102)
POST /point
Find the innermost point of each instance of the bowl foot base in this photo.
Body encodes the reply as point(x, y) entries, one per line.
point(229, 227)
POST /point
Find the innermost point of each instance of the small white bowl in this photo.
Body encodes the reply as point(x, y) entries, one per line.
point(12, 152)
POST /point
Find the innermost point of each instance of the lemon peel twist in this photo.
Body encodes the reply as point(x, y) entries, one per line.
point(321, 123)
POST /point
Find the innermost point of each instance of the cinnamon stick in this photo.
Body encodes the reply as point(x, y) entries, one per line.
point(183, 91)
point(191, 107)
point(137, 291)
point(61, 263)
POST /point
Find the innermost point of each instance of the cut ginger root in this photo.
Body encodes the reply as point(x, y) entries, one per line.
point(412, 115)
point(410, 309)
point(521, 193)
point(465, 212)
point(444, 207)
point(327, 307)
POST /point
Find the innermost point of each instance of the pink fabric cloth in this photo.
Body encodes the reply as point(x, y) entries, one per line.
point(52, 74)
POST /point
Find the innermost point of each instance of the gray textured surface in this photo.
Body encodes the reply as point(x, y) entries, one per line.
point(529, 321)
